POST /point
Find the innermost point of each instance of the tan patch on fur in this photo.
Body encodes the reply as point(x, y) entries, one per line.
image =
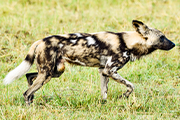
point(78, 48)
point(61, 67)
point(141, 48)
point(65, 35)
point(54, 41)
point(109, 38)
point(40, 47)
point(132, 38)
point(93, 60)
point(33, 47)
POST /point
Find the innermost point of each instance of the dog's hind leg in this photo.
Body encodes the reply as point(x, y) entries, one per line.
point(31, 77)
point(104, 84)
point(41, 79)
point(59, 68)
point(58, 71)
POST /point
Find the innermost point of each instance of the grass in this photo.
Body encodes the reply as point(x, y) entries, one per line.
point(76, 94)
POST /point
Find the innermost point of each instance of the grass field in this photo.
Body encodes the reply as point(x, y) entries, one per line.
point(76, 94)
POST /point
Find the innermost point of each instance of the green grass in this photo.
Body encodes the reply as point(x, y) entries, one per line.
point(76, 94)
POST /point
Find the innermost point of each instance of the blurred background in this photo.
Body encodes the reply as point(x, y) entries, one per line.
point(76, 94)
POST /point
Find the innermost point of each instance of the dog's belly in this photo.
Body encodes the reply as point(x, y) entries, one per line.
point(90, 62)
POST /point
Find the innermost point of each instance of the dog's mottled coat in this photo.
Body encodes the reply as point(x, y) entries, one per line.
point(108, 51)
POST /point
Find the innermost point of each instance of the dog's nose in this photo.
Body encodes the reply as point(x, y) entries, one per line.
point(173, 45)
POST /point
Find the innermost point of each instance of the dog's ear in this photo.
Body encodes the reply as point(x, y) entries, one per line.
point(140, 27)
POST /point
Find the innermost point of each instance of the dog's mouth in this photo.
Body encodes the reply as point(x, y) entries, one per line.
point(169, 47)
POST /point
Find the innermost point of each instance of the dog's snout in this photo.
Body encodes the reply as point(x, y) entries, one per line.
point(171, 45)
point(166, 45)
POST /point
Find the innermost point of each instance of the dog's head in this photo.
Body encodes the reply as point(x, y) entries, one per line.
point(153, 37)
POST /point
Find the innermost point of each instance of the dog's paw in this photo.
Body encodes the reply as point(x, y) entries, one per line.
point(123, 96)
point(103, 101)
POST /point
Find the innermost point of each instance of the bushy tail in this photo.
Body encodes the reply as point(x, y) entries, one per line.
point(17, 72)
point(23, 67)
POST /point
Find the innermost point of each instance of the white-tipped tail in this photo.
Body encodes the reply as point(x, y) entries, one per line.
point(17, 72)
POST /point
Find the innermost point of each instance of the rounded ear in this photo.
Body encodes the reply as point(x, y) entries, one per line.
point(140, 27)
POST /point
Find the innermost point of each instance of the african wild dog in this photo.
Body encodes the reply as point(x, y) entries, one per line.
point(108, 51)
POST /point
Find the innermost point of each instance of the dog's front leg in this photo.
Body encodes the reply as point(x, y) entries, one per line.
point(115, 76)
point(104, 84)
point(129, 85)
point(110, 70)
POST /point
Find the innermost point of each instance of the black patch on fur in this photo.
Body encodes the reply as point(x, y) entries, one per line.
point(59, 37)
point(134, 22)
point(48, 74)
point(30, 58)
point(136, 25)
point(105, 75)
point(40, 60)
point(48, 53)
point(122, 46)
point(73, 36)
point(86, 34)
point(48, 56)
point(146, 38)
point(45, 68)
point(47, 40)
point(55, 36)
point(102, 45)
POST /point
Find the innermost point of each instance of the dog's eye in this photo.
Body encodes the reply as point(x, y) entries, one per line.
point(161, 38)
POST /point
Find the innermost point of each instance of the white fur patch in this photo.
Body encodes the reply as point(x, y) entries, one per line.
point(78, 34)
point(90, 41)
point(125, 54)
point(132, 57)
point(103, 60)
point(109, 62)
point(114, 69)
point(65, 35)
point(77, 61)
point(118, 77)
point(61, 45)
point(73, 41)
point(104, 95)
point(17, 72)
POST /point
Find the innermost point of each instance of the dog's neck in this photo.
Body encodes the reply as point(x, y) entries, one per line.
point(137, 44)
